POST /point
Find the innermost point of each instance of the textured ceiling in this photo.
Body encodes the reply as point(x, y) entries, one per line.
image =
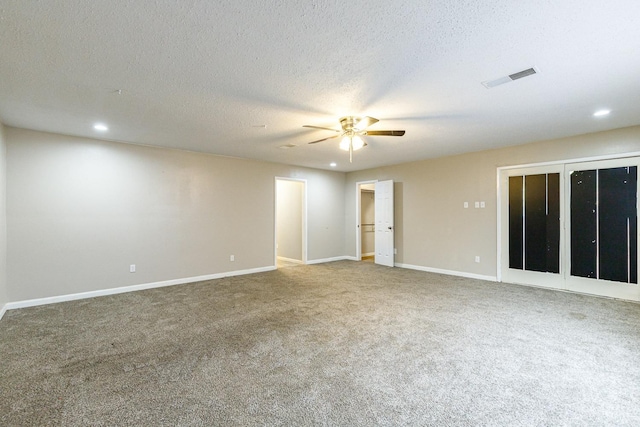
point(205, 75)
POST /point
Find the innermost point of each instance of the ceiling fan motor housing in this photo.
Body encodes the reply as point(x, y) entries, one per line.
point(348, 122)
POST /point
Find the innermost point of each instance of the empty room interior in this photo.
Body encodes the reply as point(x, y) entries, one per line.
point(303, 213)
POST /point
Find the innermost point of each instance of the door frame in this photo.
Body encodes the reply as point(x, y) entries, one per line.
point(359, 219)
point(275, 217)
point(599, 286)
point(542, 279)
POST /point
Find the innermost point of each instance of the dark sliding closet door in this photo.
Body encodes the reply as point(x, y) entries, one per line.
point(534, 222)
point(604, 224)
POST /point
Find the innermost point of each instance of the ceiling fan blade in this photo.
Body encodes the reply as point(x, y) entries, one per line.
point(365, 122)
point(319, 127)
point(385, 132)
point(323, 139)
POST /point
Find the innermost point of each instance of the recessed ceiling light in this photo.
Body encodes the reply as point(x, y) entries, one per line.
point(333, 164)
point(601, 113)
point(100, 127)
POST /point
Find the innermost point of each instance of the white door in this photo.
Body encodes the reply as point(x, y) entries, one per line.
point(384, 223)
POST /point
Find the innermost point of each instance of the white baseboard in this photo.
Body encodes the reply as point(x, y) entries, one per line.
point(448, 272)
point(338, 258)
point(295, 261)
point(132, 288)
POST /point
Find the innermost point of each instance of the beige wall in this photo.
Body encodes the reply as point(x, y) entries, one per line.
point(433, 230)
point(81, 211)
point(290, 218)
point(3, 219)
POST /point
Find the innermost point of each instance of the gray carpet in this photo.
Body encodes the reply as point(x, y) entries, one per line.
point(343, 343)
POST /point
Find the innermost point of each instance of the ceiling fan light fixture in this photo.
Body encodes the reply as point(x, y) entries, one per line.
point(344, 144)
point(352, 129)
point(357, 142)
point(354, 141)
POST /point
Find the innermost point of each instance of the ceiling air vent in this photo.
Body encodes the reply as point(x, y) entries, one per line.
point(511, 77)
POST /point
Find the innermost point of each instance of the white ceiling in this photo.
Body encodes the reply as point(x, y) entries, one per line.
point(205, 75)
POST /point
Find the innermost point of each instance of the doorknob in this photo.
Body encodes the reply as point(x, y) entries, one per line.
point(390, 228)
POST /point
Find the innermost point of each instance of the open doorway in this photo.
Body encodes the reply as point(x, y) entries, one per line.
point(375, 222)
point(367, 222)
point(290, 225)
point(365, 218)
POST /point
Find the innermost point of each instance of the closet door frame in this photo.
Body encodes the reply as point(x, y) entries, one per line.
point(518, 276)
point(592, 285)
point(563, 280)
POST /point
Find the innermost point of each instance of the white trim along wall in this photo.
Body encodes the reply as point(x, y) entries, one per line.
point(133, 288)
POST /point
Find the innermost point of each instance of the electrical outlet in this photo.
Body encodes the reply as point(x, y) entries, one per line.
point(395, 251)
point(232, 258)
point(132, 268)
point(477, 258)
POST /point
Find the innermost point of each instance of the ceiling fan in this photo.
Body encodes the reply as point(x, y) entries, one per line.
point(353, 129)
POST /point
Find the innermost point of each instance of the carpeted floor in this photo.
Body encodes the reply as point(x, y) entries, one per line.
point(343, 343)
